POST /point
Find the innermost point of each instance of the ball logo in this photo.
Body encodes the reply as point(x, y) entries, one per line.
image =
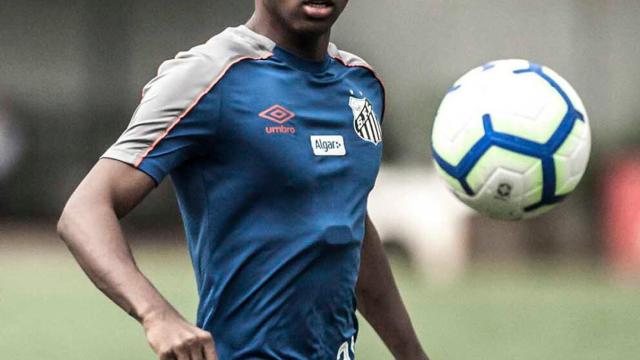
point(504, 191)
point(365, 122)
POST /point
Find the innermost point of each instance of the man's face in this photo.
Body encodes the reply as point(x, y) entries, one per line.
point(313, 17)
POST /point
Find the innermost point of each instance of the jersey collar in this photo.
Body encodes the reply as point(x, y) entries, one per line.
point(312, 66)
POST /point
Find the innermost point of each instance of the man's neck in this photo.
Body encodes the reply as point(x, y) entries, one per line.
point(311, 47)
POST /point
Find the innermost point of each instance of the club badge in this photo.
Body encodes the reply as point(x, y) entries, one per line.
point(365, 122)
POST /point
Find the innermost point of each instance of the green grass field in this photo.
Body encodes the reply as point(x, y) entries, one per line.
point(49, 310)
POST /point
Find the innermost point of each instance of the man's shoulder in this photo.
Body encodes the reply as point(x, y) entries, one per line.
point(352, 60)
point(212, 59)
point(233, 43)
point(347, 58)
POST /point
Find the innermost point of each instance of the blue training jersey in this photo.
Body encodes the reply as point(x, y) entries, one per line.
point(272, 157)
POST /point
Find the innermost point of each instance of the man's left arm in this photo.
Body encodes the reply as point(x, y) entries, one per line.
point(379, 300)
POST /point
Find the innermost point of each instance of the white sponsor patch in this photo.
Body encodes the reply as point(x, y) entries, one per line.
point(328, 145)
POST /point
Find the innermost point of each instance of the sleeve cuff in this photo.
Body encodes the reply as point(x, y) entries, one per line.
point(156, 173)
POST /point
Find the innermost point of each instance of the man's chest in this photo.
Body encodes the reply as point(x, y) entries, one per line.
point(301, 131)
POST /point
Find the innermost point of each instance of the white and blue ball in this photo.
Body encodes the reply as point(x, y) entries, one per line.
point(511, 139)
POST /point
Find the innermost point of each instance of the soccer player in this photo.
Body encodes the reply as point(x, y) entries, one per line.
point(272, 138)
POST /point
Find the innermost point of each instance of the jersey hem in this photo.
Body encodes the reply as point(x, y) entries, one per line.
point(120, 157)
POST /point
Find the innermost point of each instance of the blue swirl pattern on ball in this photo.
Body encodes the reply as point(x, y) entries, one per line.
point(544, 152)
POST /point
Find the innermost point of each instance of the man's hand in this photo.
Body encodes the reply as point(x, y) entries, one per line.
point(90, 228)
point(173, 338)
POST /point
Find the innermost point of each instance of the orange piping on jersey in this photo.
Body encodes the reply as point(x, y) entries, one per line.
point(195, 103)
point(375, 75)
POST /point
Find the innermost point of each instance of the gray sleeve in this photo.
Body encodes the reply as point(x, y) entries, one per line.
point(178, 87)
point(181, 83)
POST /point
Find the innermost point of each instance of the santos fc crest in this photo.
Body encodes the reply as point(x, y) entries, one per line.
point(365, 122)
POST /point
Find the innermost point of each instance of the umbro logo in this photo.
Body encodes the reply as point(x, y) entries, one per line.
point(280, 115)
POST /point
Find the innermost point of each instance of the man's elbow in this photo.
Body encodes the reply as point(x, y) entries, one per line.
point(66, 221)
point(63, 225)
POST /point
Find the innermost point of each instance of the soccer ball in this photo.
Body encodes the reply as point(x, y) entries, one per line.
point(511, 139)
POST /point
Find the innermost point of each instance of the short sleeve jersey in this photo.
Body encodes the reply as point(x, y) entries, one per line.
point(272, 158)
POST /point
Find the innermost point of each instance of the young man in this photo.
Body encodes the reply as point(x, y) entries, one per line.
point(272, 138)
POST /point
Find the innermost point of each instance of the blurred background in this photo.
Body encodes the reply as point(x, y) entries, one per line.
point(562, 286)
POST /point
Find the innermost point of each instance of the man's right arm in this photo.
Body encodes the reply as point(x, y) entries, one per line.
point(90, 227)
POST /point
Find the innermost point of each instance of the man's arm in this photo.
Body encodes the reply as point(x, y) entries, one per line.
point(90, 227)
point(379, 300)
